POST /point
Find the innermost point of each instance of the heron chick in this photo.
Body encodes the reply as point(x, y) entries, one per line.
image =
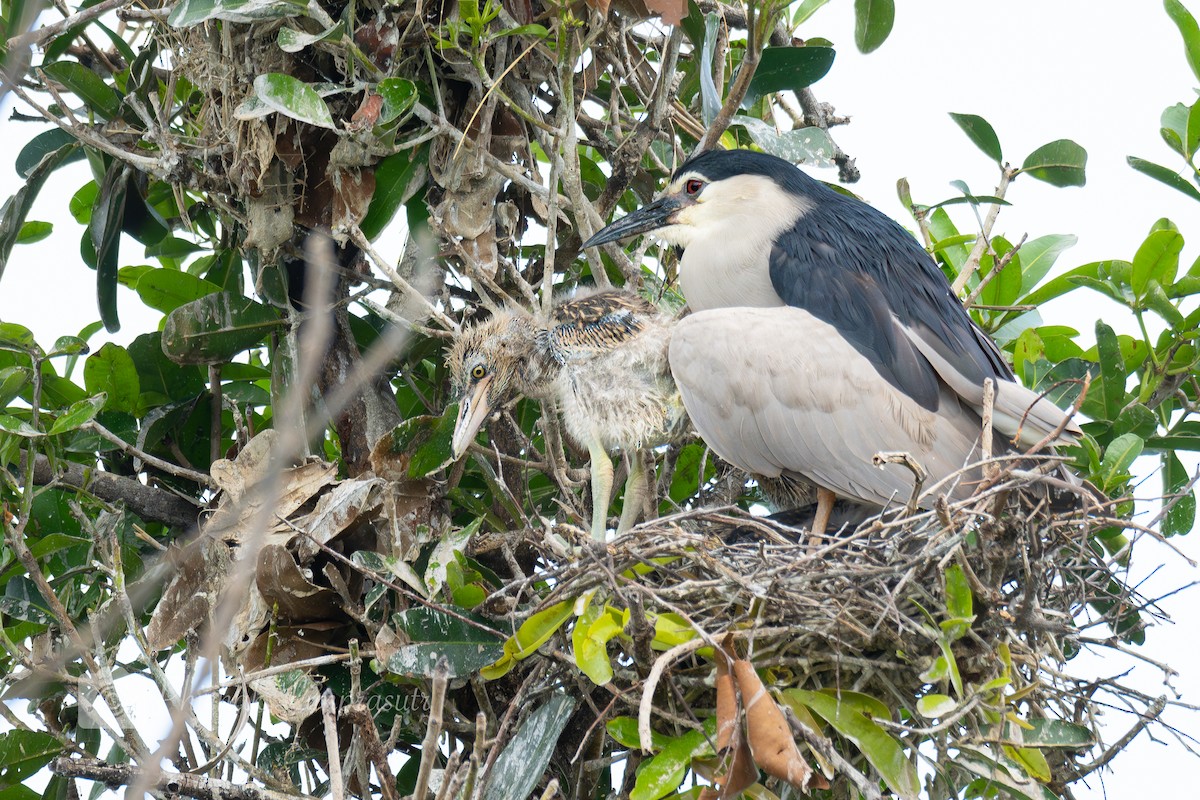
point(602, 357)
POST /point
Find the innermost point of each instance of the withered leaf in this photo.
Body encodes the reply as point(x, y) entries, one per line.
point(771, 741)
point(284, 587)
point(201, 570)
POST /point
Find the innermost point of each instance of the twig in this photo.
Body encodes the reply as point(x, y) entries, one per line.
point(433, 730)
point(167, 783)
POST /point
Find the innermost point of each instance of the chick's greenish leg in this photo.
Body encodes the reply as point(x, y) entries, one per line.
point(635, 492)
point(602, 480)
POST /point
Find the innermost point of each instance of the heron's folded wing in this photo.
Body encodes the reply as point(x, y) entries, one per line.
point(776, 389)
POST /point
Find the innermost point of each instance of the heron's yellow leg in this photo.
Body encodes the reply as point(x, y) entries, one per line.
point(602, 480)
point(825, 500)
point(635, 492)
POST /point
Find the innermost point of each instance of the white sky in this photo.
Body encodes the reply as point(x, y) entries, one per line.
point(1096, 71)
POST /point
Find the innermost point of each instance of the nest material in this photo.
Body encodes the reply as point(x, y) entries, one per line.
point(864, 610)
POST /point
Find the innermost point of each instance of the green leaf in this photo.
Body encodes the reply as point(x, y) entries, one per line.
point(594, 629)
point(16, 208)
point(873, 20)
point(43, 145)
point(79, 413)
point(13, 381)
point(1182, 515)
point(1164, 175)
point(783, 68)
point(1058, 163)
point(801, 146)
point(293, 98)
point(532, 634)
point(34, 231)
point(662, 774)
point(521, 764)
point(1055, 733)
point(19, 427)
point(291, 40)
point(1157, 259)
point(995, 772)
point(167, 289)
point(425, 441)
point(1112, 370)
point(1118, 458)
point(399, 96)
point(14, 336)
point(435, 635)
point(89, 86)
point(1038, 256)
point(187, 13)
point(806, 10)
point(215, 328)
point(104, 232)
point(397, 179)
point(1191, 133)
point(981, 132)
point(959, 602)
point(110, 369)
point(932, 706)
point(23, 753)
point(849, 719)
point(1190, 32)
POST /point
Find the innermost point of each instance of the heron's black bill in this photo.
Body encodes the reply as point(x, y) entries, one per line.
point(649, 217)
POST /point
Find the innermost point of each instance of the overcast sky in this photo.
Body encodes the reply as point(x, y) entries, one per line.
point(1096, 71)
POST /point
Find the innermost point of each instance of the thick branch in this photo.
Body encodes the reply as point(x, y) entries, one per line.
point(149, 503)
point(168, 783)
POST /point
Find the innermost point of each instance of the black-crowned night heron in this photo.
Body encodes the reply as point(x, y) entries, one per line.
point(823, 334)
point(602, 357)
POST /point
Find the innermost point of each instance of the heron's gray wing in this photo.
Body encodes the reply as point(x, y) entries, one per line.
point(776, 390)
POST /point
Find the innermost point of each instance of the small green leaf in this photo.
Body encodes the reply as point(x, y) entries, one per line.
point(782, 68)
point(594, 629)
point(13, 381)
point(662, 774)
point(291, 40)
point(293, 98)
point(959, 602)
point(873, 20)
point(34, 231)
point(1164, 175)
point(521, 764)
point(16, 208)
point(187, 13)
point(1055, 733)
point(18, 426)
point(532, 634)
point(1038, 256)
point(104, 233)
point(43, 145)
point(806, 10)
point(399, 96)
point(79, 413)
point(397, 179)
point(1058, 163)
point(167, 289)
point(932, 706)
point(434, 635)
point(23, 753)
point(1112, 370)
point(981, 132)
point(14, 336)
point(1118, 458)
point(110, 370)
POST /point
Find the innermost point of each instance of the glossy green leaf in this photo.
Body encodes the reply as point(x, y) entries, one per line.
point(883, 751)
point(1191, 131)
point(1038, 256)
point(1058, 163)
point(20, 427)
point(110, 370)
point(425, 441)
point(13, 381)
point(293, 98)
point(1112, 370)
point(88, 85)
point(1157, 259)
point(784, 68)
point(291, 40)
point(806, 9)
point(662, 773)
point(802, 146)
point(522, 763)
point(14, 336)
point(1164, 175)
point(624, 731)
point(23, 753)
point(34, 231)
point(710, 98)
point(873, 20)
point(988, 766)
point(78, 414)
point(1181, 517)
point(1190, 32)
point(1055, 734)
point(1031, 761)
point(959, 602)
point(399, 96)
point(594, 629)
point(1118, 458)
point(215, 328)
point(435, 635)
point(187, 13)
point(533, 633)
point(167, 289)
point(43, 145)
point(981, 133)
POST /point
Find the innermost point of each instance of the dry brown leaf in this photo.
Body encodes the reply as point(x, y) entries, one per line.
point(291, 696)
point(285, 588)
point(770, 738)
point(367, 113)
point(671, 11)
point(291, 643)
point(201, 570)
point(600, 5)
point(352, 192)
point(336, 510)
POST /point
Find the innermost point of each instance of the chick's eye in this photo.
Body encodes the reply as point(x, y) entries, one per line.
point(693, 186)
point(478, 371)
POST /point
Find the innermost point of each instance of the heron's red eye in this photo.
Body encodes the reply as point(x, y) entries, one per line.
point(693, 186)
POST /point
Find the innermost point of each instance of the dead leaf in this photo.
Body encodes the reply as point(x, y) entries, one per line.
point(771, 741)
point(291, 696)
point(236, 521)
point(201, 571)
point(352, 192)
point(336, 510)
point(367, 113)
point(671, 11)
point(285, 588)
point(292, 643)
point(740, 772)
